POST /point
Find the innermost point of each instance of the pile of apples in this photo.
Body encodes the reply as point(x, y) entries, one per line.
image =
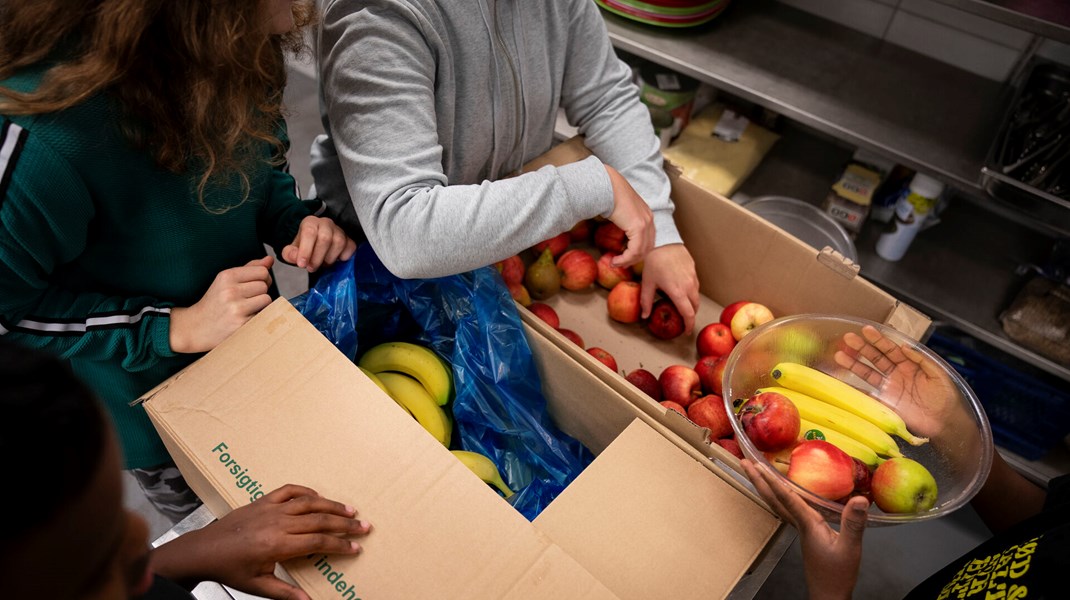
point(694, 392)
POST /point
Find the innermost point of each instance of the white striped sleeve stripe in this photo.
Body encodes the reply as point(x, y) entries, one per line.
point(98, 322)
point(11, 139)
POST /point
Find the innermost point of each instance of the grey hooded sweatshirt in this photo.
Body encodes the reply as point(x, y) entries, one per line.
point(430, 107)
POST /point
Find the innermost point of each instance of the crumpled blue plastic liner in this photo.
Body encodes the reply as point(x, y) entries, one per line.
point(471, 321)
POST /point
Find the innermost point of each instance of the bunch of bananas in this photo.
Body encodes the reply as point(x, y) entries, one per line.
point(417, 379)
point(848, 418)
point(421, 384)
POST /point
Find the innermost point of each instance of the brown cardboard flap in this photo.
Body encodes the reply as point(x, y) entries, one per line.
point(277, 403)
point(838, 262)
point(585, 313)
point(708, 550)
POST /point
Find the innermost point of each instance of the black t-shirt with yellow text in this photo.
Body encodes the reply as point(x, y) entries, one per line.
point(1029, 561)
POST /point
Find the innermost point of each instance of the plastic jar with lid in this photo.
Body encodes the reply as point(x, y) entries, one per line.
point(913, 207)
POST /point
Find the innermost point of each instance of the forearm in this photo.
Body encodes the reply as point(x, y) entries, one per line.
point(442, 230)
point(92, 326)
point(181, 560)
point(600, 98)
point(1007, 497)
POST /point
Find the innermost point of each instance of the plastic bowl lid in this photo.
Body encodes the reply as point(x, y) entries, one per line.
point(806, 222)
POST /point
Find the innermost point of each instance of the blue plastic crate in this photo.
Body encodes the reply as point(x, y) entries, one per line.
point(1028, 416)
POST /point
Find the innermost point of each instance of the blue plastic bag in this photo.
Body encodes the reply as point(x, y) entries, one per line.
point(470, 320)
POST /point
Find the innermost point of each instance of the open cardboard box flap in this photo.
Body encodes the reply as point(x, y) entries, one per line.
point(277, 403)
point(738, 255)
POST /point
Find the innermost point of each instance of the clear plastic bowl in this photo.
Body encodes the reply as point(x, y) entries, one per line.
point(806, 222)
point(959, 452)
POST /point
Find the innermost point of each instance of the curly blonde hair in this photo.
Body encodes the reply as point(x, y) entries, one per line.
point(199, 82)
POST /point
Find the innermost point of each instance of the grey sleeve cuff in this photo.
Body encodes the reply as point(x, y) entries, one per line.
point(665, 231)
point(588, 187)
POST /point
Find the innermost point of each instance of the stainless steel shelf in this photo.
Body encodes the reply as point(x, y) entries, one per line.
point(1047, 18)
point(916, 110)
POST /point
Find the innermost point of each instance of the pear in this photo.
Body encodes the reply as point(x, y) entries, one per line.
point(542, 278)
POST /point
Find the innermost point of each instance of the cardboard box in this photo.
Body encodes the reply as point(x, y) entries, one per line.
point(277, 403)
point(738, 256)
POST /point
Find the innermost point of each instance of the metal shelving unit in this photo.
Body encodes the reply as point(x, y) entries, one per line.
point(916, 110)
point(1046, 18)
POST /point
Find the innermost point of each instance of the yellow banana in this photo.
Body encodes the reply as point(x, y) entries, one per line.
point(415, 361)
point(836, 418)
point(842, 441)
point(484, 468)
point(408, 392)
point(828, 389)
point(375, 379)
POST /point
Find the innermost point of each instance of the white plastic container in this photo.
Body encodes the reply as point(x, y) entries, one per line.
point(911, 210)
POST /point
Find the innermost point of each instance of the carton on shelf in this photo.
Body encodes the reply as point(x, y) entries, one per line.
point(277, 403)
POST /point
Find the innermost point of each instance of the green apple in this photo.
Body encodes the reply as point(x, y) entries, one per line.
point(800, 344)
point(902, 485)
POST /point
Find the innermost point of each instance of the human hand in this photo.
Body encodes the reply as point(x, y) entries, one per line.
point(671, 269)
point(241, 549)
point(632, 214)
point(831, 559)
point(233, 298)
point(915, 386)
point(319, 242)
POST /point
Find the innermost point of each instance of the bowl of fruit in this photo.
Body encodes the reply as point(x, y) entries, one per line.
point(841, 406)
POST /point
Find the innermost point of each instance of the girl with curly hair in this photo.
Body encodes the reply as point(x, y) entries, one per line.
point(142, 172)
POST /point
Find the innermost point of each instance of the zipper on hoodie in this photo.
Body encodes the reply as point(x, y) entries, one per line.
point(518, 97)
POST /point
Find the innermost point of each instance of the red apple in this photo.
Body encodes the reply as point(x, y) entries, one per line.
point(902, 485)
point(578, 270)
point(610, 237)
point(604, 357)
point(665, 321)
point(863, 480)
point(822, 469)
point(730, 311)
point(637, 268)
point(715, 339)
point(556, 244)
point(546, 313)
point(645, 381)
point(709, 412)
point(573, 336)
point(710, 371)
point(680, 384)
point(512, 269)
point(669, 404)
point(623, 302)
point(749, 316)
point(780, 460)
point(580, 232)
point(608, 275)
point(520, 294)
point(770, 421)
point(731, 445)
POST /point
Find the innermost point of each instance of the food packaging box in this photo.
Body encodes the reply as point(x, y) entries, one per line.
point(738, 256)
point(277, 403)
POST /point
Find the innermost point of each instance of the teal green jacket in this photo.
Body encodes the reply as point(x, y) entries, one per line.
point(97, 244)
